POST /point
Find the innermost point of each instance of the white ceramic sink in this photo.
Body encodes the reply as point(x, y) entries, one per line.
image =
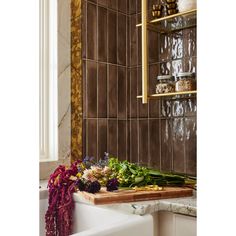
point(92, 220)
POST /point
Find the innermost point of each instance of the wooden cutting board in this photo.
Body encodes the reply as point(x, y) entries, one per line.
point(119, 196)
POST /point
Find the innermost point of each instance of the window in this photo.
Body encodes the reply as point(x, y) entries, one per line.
point(48, 81)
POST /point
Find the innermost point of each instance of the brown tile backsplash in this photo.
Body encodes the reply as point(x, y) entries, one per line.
point(91, 81)
point(102, 90)
point(143, 141)
point(112, 91)
point(121, 49)
point(122, 6)
point(102, 34)
point(112, 37)
point(112, 137)
point(122, 139)
point(91, 137)
point(102, 137)
point(166, 145)
point(122, 93)
point(91, 31)
point(160, 134)
point(154, 143)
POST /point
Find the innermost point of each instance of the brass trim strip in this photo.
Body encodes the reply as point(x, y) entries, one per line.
point(169, 17)
point(144, 53)
point(168, 94)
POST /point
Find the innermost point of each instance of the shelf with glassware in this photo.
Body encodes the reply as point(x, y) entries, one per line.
point(166, 24)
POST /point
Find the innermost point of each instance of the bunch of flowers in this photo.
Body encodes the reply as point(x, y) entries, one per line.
point(86, 175)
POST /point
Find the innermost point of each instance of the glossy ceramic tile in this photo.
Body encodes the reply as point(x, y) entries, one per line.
point(91, 89)
point(122, 5)
point(112, 91)
point(113, 4)
point(112, 137)
point(177, 45)
point(165, 47)
point(178, 145)
point(143, 142)
point(122, 139)
point(112, 37)
point(133, 41)
point(134, 141)
point(102, 34)
point(102, 2)
point(191, 146)
point(133, 92)
point(190, 46)
point(102, 137)
point(102, 90)
point(91, 31)
point(178, 107)
point(121, 39)
point(122, 95)
point(91, 141)
point(154, 143)
point(142, 108)
point(166, 145)
point(166, 107)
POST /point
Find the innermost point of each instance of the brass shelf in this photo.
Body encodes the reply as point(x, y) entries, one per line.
point(170, 17)
point(154, 96)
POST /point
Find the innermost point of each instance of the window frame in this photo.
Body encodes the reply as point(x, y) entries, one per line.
point(59, 136)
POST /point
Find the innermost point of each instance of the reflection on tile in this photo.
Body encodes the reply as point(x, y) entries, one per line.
point(178, 107)
point(178, 145)
point(177, 66)
point(190, 46)
point(190, 145)
point(177, 45)
point(165, 108)
point(190, 64)
point(191, 107)
point(165, 68)
point(166, 145)
point(165, 47)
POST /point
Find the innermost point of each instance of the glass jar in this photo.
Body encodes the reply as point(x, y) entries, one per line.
point(185, 82)
point(165, 84)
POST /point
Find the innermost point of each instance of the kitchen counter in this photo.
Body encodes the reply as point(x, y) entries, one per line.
point(184, 205)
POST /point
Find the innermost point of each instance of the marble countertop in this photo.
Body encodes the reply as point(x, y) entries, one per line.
point(184, 205)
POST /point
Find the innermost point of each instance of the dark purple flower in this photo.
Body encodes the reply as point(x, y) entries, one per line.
point(112, 184)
